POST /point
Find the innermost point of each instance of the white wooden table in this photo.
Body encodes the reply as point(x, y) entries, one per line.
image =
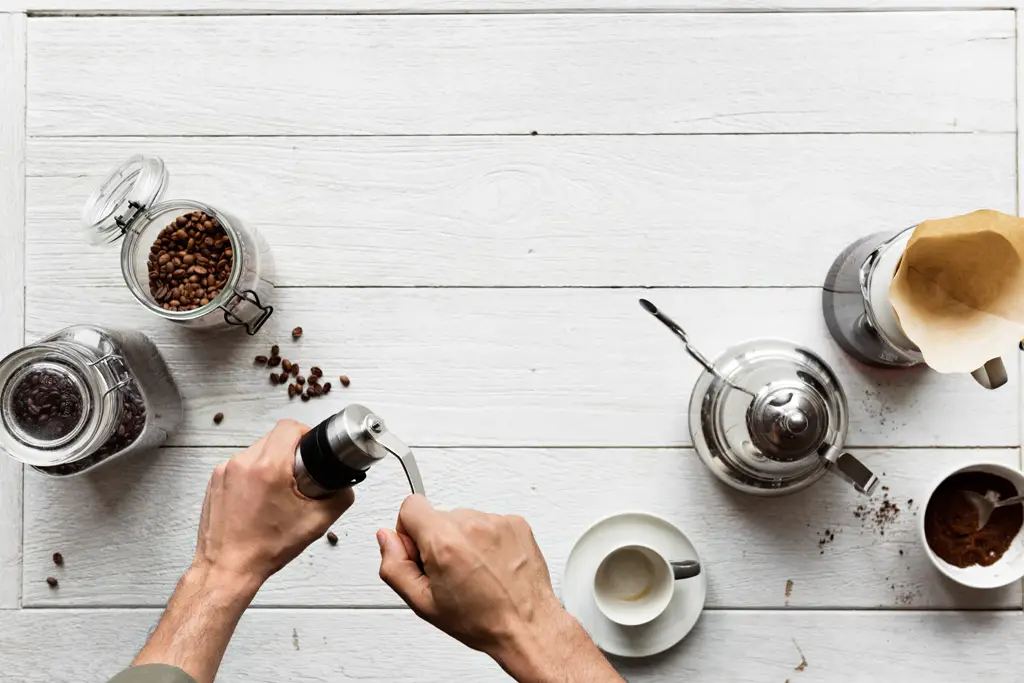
point(478, 282)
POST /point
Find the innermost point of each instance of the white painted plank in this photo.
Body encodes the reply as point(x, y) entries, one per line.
point(403, 6)
point(12, 277)
point(553, 73)
point(525, 367)
point(148, 510)
point(524, 211)
point(395, 647)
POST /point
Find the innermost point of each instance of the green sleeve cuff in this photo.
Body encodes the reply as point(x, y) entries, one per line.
point(153, 673)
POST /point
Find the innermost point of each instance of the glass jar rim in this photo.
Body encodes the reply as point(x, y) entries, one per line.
point(103, 412)
point(131, 241)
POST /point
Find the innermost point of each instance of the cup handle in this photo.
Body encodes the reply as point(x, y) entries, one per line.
point(992, 374)
point(687, 569)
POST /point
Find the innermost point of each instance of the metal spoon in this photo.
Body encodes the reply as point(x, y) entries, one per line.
point(986, 505)
point(694, 353)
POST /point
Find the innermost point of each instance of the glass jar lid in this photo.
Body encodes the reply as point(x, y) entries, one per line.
point(765, 425)
point(130, 189)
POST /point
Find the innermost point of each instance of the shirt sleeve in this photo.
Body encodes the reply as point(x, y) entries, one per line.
point(153, 673)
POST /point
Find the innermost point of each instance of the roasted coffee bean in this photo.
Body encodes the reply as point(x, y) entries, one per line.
point(51, 582)
point(295, 369)
point(292, 390)
point(282, 378)
point(58, 559)
point(275, 350)
point(317, 390)
point(327, 388)
point(296, 333)
point(218, 418)
point(273, 378)
point(262, 360)
point(345, 381)
point(46, 404)
point(274, 361)
point(332, 538)
point(300, 380)
point(316, 372)
point(181, 254)
point(313, 379)
point(305, 397)
point(286, 365)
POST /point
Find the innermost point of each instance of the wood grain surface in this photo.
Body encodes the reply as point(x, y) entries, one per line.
point(12, 278)
point(148, 510)
point(524, 367)
point(551, 73)
point(707, 210)
point(393, 645)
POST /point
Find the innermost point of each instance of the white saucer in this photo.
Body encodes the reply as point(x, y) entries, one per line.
point(578, 582)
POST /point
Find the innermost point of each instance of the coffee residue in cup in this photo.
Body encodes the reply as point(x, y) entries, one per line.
point(951, 519)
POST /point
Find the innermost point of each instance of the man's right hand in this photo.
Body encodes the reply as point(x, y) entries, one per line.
point(482, 579)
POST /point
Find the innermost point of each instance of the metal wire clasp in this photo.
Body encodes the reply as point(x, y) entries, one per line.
point(252, 298)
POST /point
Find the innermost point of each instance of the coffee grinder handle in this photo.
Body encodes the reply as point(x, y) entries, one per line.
point(397, 448)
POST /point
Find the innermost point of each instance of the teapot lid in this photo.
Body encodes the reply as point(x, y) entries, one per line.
point(765, 422)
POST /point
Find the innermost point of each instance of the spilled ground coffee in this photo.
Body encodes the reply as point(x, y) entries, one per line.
point(950, 520)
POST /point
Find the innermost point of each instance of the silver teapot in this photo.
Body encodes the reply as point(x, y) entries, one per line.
point(769, 417)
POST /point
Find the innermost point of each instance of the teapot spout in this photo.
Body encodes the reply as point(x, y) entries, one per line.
point(853, 471)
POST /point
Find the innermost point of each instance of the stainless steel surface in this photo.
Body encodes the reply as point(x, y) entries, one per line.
point(788, 435)
point(358, 439)
point(992, 374)
point(686, 569)
point(397, 448)
point(987, 504)
point(679, 332)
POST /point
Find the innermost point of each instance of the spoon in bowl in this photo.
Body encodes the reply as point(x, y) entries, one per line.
point(986, 505)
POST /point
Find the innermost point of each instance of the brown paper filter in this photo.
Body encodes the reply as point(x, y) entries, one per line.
point(958, 293)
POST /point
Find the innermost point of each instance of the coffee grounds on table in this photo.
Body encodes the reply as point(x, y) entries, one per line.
point(951, 519)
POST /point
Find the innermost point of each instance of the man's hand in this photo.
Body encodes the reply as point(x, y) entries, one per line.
point(482, 579)
point(254, 519)
point(254, 522)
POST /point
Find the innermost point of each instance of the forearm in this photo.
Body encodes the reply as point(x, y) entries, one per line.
point(196, 628)
point(560, 651)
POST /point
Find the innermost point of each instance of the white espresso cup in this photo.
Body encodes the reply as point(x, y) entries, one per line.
point(634, 583)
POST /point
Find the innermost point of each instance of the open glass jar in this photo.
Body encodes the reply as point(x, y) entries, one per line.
point(83, 397)
point(226, 281)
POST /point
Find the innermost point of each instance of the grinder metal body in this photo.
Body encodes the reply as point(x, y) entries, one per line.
point(338, 452)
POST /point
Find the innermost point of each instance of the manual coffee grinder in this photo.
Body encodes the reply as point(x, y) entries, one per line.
point(338, 452)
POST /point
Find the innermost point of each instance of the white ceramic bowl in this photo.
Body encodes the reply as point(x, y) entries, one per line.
point(1008, 568)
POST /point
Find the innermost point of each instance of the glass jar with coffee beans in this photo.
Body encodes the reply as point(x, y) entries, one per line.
point(184, 260)
point(83, 397)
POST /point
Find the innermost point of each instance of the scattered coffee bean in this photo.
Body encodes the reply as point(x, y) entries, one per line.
point(317, 389)
point(327, 388)
point(275, 350)
point(273, 378)
point(58, 559)
point(296, 333)
point(190, 263)
point(332, 538)
point(305, 397)
point(274, 361)
point(300, 380)
point(286, 365)
point(282, 378)
point(292, 390)
point(345, 381)
point(316, 372)
point(262, 360)
point(218, 418)
point(295, 369)
point(313, 379)
point(51, 582)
